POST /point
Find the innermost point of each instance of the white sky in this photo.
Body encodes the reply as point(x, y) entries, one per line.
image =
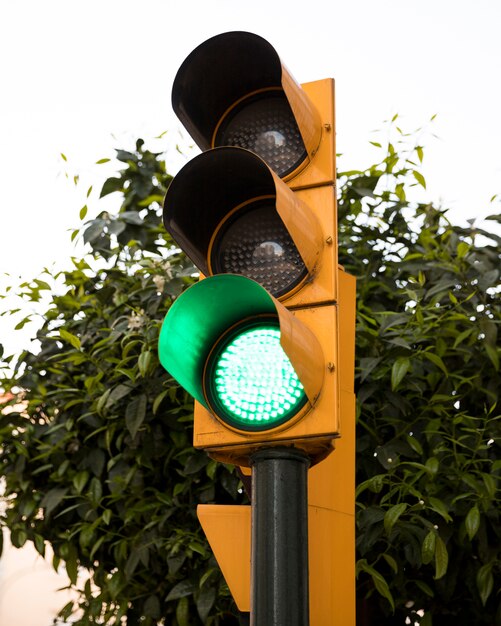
point(83, 77)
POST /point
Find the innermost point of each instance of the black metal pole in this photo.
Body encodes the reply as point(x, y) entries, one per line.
point(279, 561)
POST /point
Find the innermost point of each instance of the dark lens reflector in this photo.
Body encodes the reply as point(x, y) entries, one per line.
point(265, 125)
point(254, 242)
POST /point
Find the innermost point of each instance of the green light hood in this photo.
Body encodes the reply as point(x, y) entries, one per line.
point(199, 317)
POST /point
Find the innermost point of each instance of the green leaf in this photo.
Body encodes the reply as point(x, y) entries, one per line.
point(392, 515)
point(462, 249)
point(125, 156)
point(490, 330)
point(131, 217)
point(182, 612)
point(151, 199)
point(152, 607)
point(96, 491)
point(115, 584)
point(492, 353)
point(80, 480)
point(132, 563)
point(39, 545)
point(432, 465)
point(116, 226)
point(383, 589)
point(391, 562)
point(425, 588)
point(399, 370)
point(66, 611)
point(472, 522)
point(400, 192)
point(374, 483)
point(52, 499)
point(96, 546)
point(144, 361)
point(93, 231)
point(86, 537)
point(195, 463)
point(490, 483)
point(496, 216)
point(436, 360)
point(18, 537)
point(116, 394)
point(135, 414)
point(205, 601)
point(441, 287)
point(428, 547)
point(462, 336)
point(102, 401)
point(197, 547)
point(83, 212)
point(72, 567)
point(111, 185)
point(42, 284)
point(182, 589)
point(414, 444)
point(439, 507)
point(158, 400)
point(441, 558)
point(22, 323)
point(485, 582)
point(420, 178)
point(378, 580)
point(68, 337)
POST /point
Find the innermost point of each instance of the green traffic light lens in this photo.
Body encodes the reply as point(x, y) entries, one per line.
point(250, 380)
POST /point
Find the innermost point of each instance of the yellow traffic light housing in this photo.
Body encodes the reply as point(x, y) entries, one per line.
point(259, 203)
point(260, 374)
point(232, 214)
point(233, 90)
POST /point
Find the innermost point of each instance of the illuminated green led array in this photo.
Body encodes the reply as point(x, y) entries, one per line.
point(253, 382)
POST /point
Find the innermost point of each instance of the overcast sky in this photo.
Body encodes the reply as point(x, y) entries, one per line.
point(84, 77)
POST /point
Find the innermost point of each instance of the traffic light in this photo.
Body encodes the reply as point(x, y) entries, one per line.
point(256, 341)
point(264, 342)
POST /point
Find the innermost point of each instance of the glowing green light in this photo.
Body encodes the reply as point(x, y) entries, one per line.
point(254, 385)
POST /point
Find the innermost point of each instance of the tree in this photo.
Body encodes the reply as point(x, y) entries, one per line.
point(99, 463)
point(428, 525)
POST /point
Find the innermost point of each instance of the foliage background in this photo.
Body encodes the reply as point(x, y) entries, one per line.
point(98, 460)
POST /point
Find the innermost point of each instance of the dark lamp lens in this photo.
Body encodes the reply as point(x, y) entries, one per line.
point(265, 125)
point(254, 242)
